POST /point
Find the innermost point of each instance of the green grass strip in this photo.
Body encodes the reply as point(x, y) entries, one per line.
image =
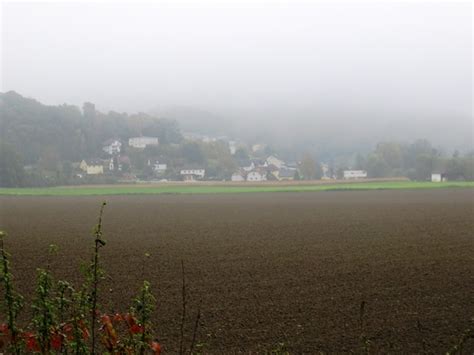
point(216, 189)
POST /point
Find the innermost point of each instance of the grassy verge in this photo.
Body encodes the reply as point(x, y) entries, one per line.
point(220, 189)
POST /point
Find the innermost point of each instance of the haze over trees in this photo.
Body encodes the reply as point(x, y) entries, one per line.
point(39, 145)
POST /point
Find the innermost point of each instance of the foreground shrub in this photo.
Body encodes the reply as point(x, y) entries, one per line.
point(68, 320)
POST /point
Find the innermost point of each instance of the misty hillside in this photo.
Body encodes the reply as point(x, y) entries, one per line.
point(51, 145)
point(51, 133)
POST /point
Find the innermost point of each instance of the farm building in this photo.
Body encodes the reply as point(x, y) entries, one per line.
point(355, 174)
point(438, 177)
point(192, 174)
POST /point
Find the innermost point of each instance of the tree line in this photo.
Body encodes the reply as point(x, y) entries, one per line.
point(40, 143)
point(417, 161)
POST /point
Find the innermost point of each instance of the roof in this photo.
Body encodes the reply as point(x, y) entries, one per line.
point(261, 171)
point(91, 162)
point(272, 167)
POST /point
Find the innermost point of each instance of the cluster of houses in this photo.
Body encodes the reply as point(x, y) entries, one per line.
point(117, 162)
point(271, 168)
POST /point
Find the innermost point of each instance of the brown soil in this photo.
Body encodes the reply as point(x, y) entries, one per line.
point(290, 268)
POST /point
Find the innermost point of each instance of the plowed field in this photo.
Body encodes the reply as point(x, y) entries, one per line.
point(273, 270)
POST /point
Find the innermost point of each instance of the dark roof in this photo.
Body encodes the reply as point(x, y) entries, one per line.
point(286, 173)
point(94, 162)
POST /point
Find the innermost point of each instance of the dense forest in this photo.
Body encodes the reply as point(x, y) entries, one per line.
point(42, 145)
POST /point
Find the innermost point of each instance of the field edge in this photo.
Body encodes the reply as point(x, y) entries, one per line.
point(110, 190)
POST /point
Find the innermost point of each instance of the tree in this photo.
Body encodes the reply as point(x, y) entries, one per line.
point(193, 153)
point(296, 176)
point(12, 173)
point(310, 169)
point(377, 167)
point(360, 162)
point(391, 153)
point(423, 167)
point(89, 112)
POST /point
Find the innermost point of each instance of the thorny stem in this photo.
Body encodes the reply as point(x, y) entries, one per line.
point(6, 276)
point(195, 330)
point(183, 316)
point(95, 280)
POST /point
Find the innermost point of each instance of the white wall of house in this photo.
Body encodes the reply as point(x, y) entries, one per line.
point(196, 172)
point(436, 177)
point(142, 142)
point(94, 169)
point(256, 176)
point(232, 147)
point(160, 168)
point(113, 148)
point(355, 174)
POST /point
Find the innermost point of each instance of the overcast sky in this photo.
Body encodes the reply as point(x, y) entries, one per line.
point(389, 67)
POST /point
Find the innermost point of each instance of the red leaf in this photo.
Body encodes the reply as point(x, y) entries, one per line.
point(56, 341)
point(118, 317)
point(135, 329)
point(4, 328)
point(156, 347)
point(31, 343)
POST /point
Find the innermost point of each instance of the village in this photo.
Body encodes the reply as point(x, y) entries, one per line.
point(116, 161)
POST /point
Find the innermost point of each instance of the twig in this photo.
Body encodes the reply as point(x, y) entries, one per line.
point(183, 316)
point(196, 326)
point(95, 279)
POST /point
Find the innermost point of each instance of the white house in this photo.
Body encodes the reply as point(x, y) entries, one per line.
point(232, 147)
point(92, 167)
point(142, 142)
point(159, 168)
point(437, 177)
point(115, 163)
point(192, 174)
point(112, 146)
point(355, 174)
point(238, 177)
point(272, 160)
point(256, 176)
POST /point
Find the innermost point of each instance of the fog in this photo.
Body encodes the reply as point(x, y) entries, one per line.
point(325, 73)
